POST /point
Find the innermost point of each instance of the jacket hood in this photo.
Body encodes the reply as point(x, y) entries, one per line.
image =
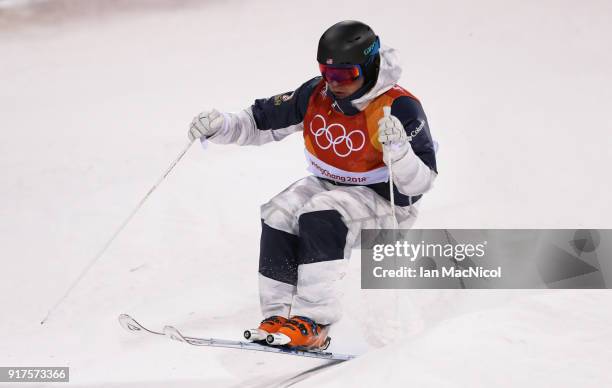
point(389, 74)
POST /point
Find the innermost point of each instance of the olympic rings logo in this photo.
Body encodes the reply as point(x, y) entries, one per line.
point(326, 138)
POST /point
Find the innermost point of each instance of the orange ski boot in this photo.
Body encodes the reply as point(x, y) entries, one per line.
point(301, 332)
point(266, 327)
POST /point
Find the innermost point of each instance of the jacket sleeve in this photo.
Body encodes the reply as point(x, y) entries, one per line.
point(268, 119)
point(415, 172)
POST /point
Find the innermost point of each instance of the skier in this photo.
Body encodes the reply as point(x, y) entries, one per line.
point(309, 229)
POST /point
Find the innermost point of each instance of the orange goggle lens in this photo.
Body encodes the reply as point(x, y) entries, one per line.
point(342, 74)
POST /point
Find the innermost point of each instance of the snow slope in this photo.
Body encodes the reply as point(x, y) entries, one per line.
point(95, 101)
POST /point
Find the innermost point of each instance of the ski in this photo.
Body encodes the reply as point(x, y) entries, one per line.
point(130, 324)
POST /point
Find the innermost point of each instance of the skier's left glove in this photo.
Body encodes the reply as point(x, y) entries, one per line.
point(392, 135)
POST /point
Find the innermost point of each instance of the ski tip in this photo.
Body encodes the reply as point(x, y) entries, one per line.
point(128, 323)
point(124, 317)
point(173, 333)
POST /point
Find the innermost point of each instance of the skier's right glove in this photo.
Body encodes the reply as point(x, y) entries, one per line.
point(206, 124)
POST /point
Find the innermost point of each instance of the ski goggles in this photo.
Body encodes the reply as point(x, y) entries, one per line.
point(341, 74)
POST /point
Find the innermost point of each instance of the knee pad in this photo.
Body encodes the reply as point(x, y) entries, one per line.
point(322, 236)
point(278, 254)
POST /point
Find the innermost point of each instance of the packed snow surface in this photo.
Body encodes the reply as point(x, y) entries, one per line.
point(95, 102)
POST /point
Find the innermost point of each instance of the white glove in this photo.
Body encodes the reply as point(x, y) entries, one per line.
point(392, 135)
point(206, 124)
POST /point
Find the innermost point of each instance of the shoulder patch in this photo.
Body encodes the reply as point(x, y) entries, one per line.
point(280, 98)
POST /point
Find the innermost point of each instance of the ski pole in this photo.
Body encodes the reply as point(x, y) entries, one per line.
point(117, 232)
point(396, 321)
point(387, 113)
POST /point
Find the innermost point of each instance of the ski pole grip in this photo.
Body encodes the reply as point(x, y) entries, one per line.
point(387, 111)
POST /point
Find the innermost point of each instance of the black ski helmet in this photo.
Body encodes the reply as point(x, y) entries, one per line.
point(350, 42)
point(347, 42)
